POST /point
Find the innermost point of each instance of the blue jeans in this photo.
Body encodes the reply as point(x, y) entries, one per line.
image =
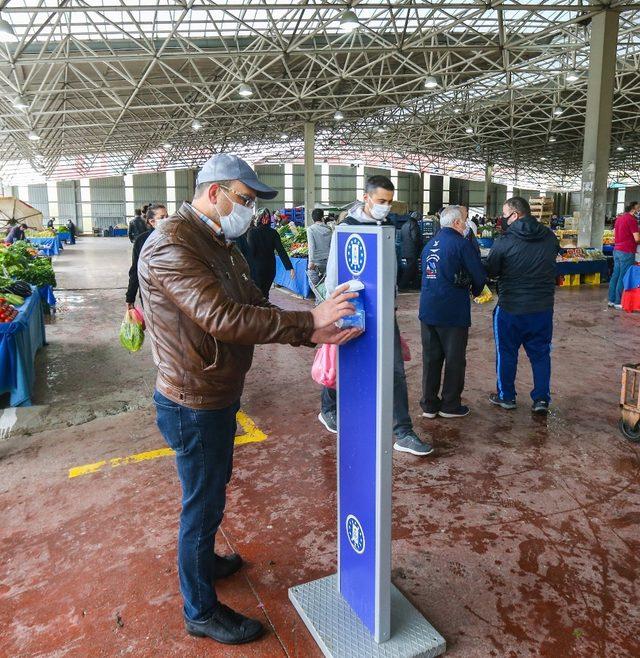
point(533, 331)
point(622, 261)
point(203, 441)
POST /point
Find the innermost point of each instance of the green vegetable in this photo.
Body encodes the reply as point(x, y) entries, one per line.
point(39, 272)
point(131, 335)
point(14, 300)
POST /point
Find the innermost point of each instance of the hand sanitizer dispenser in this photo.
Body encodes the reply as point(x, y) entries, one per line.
point(355, 321)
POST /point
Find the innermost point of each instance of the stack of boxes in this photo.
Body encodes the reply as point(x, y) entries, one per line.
point(542, 208)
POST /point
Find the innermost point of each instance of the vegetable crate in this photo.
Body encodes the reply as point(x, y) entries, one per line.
point(629, 423)
point(565, 280)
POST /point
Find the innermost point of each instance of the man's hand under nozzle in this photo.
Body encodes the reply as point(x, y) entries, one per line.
point(333, 335)
point(336, 307)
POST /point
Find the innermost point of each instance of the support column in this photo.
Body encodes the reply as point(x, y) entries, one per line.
point(325, 184)
point(85, 198)
point(620, 201)
point(128, 197)
point(488, 179)
point(171, 192)
point(309, 171)
point(288, 185)
point(446, 186)
point(597, 132)
point(426, 193)
point(52, 195)
point(394, 180)
point(23, 193)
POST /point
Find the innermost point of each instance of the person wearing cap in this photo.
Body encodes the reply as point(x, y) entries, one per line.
point(204, 315)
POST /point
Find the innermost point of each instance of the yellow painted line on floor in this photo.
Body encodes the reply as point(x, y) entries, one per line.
point(252, 434)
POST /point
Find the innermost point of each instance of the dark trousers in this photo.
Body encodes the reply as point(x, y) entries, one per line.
point(203, 441)
point(534, 332)
point(264, 277)
point(402, 424)
point(443, 346)
point(409, 274)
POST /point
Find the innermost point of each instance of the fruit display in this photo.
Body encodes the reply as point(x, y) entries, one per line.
point(294, 240)
point(577, 254)
point(607, 238)
point(45, 233)
point(7, 312)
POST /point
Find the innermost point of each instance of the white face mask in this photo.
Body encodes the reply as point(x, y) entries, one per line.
point(379, 211)
point(237, 222)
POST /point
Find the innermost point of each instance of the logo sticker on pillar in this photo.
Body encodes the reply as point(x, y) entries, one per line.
point(355, 534)
point(355, 254)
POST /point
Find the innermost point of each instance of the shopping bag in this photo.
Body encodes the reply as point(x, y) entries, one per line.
point(323, 371)
point(485, 296)
point(406, 351)
point(138, 316)
point(131, 332)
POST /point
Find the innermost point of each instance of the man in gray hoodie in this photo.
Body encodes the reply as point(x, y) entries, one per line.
point(319, 240)
point(378, 197)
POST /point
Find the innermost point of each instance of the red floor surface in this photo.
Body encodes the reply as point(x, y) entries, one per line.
point(518, 538)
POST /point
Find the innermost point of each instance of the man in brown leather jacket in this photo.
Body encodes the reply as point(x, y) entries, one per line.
point(204, 315)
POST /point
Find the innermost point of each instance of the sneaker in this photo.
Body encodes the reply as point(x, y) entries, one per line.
point(412, 444)
point(460, 412)
point(618, 307)
point(226, 626)
point(329, 420)
point(540, 407)
point(430, 414)
point(610, 304)
point(494, 398)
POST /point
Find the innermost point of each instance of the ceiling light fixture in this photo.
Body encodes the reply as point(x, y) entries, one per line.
point(469, 130)
point(543, 158)
point(552, 139)
point(382, 129)
point(7, 35)
point(557, 111)
point(33, 136)
point(456, 110)
point(430, 82)
point(166, 146)
point(619, 148)
point(338, 116)
point(20, 102)
point(284, 136)
point(572, 76)
point(349, 21)
point(245, 90)
point(196, 125)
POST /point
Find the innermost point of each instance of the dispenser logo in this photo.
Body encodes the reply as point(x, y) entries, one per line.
point(355, 534)
point(355, 254)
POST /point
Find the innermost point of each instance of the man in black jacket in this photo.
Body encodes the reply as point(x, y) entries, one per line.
point(411, 243)
point(524, 262)
point(137, 226)
point(156, 213)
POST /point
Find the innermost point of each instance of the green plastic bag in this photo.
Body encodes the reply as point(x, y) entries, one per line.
point(131, 333)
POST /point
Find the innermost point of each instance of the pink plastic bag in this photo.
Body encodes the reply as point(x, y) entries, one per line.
point(406, 352)
point(323, 371)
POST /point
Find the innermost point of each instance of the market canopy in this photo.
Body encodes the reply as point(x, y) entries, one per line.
point(113, 86)
point(15, 211)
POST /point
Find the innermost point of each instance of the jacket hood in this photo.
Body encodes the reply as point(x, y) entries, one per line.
point(528, 229)
point(357, 212)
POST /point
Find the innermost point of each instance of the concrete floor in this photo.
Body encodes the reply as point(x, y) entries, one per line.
point(518, 538)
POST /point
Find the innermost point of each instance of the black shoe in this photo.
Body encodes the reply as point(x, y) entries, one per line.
point(460, 412)
point(226, 626)
point(329, 420)
point(540, 407)
point(226, 565)
point(494, 398)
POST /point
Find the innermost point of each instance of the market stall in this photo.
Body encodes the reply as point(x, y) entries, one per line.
point(49, 246)
point(575, 266)
point(294, 240)
point(20, 340)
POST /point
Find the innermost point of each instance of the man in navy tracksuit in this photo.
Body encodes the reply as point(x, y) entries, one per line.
point(451, 268)
point(524, 262)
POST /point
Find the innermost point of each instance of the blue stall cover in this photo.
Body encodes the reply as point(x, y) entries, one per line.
point(300, 285)
point(19, 342)
point(49, 246)
point(584, 267)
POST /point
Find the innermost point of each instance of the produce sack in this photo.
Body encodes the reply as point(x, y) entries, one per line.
point(131, 333)
point(323, 371)
point(138, 316)
point(485, 296)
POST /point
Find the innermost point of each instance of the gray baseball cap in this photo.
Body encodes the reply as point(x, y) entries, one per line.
point(225, 166)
